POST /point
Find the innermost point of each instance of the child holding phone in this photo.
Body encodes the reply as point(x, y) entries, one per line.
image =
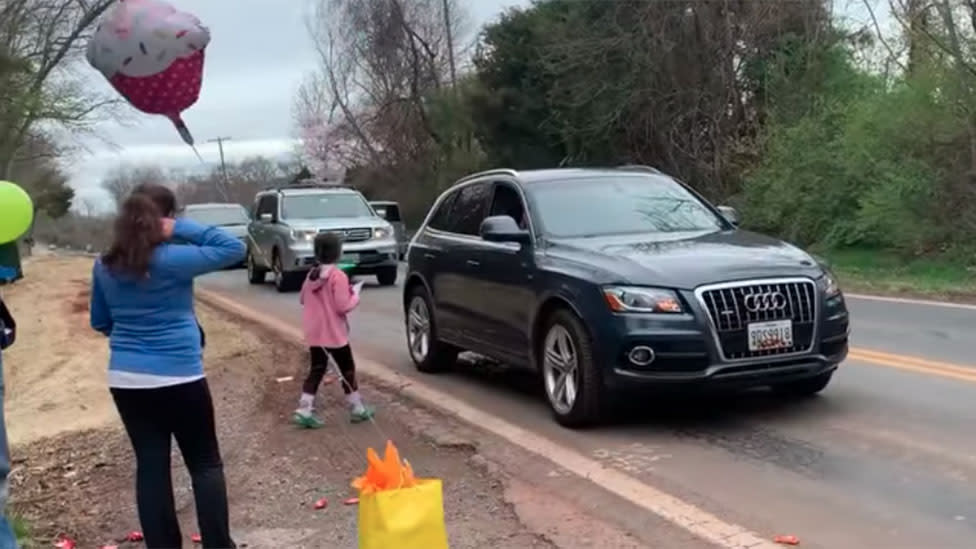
point(327, 298)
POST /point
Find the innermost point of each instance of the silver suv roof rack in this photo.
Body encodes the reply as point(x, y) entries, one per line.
point(641, 168)
point(311, 184)
point(498, 171)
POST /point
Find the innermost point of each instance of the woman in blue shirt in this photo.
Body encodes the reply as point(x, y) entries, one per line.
point(142, 298)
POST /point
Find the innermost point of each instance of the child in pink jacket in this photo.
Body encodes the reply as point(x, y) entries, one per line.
point(327, 298)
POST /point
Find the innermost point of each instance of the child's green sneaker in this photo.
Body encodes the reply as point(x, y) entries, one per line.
point(361, 414)
point(307, 421)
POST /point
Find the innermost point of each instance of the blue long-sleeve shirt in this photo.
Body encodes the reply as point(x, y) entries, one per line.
point(152, 327)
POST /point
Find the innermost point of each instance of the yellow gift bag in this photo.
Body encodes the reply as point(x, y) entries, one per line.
point(397, 510)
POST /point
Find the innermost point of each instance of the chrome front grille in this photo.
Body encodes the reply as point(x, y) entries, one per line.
point(351, 235)
point(732, 307)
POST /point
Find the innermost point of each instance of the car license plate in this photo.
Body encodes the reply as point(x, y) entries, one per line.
point(349, 258)
point(768, 336)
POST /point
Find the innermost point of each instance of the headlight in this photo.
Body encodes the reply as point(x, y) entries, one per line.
point(303, 234)
point(382, 232)
point(623, 299)
point(831, 287)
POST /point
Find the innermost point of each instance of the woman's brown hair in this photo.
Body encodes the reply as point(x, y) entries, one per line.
point(139, 229)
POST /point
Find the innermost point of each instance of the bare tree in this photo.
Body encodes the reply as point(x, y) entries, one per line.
point(120, 181)
point(43, 37)
point(86, 207)
point(380, 61)
point(244, 178)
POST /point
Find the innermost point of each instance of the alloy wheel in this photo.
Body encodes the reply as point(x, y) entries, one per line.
point(560, 367)
point(418, 329)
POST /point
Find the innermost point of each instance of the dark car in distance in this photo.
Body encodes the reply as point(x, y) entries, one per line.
point(604, 280)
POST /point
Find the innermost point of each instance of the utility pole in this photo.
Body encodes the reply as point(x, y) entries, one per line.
point(449, 32)
point(223, 165)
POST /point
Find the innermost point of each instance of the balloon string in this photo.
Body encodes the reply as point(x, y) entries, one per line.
point(196, 152)
point(331, 365)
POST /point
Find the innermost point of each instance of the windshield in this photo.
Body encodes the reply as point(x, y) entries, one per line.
point(222, 215)
point(316, 206)
point(619, 205)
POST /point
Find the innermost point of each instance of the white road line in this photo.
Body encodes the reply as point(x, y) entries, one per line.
point(685, 515)
point(909, 301)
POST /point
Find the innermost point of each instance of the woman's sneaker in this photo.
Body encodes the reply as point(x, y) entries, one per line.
point(361, 414)
point(306, 420)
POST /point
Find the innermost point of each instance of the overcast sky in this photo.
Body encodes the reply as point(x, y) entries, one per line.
point(258, 54)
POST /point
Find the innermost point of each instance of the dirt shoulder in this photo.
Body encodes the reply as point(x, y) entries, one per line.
point(73, 467)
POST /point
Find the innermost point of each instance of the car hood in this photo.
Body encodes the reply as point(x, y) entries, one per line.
point(330, 223)
point(685, 260)
point(239, 231)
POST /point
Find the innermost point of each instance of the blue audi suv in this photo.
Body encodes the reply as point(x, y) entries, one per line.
point(604, 280)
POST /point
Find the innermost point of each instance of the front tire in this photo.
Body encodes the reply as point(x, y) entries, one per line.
point(387, 277)
point(570, 374)
point(284, 281)
point(429, 354)
point(255, 274)
point(805, 387)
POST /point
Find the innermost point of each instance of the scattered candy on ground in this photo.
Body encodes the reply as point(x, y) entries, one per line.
point(195, 538)
point(322, 503)
point(351, 501)
point(134, 536)
point(64, 542)
point(787, 540)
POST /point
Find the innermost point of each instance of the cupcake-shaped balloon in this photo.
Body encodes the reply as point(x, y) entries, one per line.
point(152, 54)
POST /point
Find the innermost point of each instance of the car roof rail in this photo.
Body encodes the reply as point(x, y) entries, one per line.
point(499, 171)
point(312, 184)
point(640, 167)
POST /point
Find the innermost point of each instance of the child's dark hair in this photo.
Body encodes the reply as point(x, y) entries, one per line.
point(328, 248)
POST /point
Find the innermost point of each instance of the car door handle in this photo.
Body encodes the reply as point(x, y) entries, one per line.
point(473, 263)
point(429, 255)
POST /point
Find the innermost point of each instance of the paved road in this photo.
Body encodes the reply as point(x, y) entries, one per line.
point(886, 457)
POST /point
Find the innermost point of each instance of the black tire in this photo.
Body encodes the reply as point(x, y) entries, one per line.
point(255, 274)
point(590, 405)
point(284, 281)
point(387, 277)
point(440, 356)
point(804, 387)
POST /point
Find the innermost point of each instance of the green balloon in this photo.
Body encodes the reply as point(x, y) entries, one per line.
point(16, 212)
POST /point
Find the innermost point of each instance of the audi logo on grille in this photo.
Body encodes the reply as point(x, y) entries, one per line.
point(765, 302)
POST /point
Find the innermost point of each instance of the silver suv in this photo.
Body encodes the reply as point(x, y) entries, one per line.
point(285, 223)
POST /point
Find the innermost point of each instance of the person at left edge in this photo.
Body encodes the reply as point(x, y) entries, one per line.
point(142, 298)
point(8, 332)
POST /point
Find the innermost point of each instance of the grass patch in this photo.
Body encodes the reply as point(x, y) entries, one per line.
point(870, 271)
point(22, 532)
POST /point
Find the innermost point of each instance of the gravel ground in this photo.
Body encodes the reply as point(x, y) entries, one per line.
point(76, 480)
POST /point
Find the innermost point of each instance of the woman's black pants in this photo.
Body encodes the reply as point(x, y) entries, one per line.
point(152, 418)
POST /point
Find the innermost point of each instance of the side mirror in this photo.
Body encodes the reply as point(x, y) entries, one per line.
point(266, 218)
point(502, 228)
point(730, 214)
